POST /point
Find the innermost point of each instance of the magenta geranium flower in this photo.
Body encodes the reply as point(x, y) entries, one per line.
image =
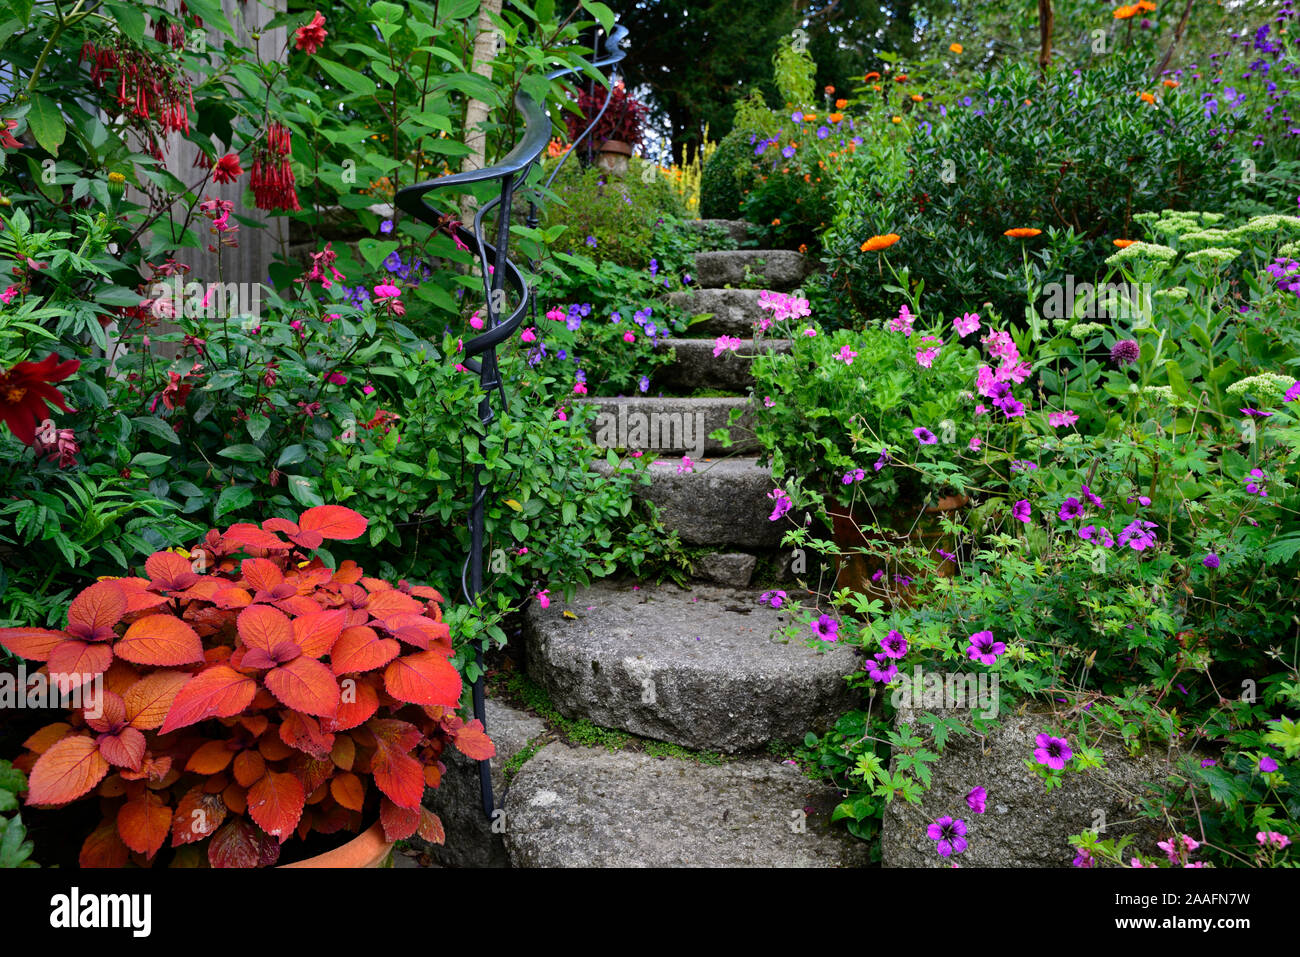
point(948, 834)
point(894, 645)
point(1267, 765)
point(1058, 419)
point(1021, 510)
point(883, 670)
point(826, 628)
point(781, 506)
point(976, 799)
point(1138, 535)
point(1071, 509)
point(983, 648)
point(966, 324)
point(1053, 752)
point(925, 436)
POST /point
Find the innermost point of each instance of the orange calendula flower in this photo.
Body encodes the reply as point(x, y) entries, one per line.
point(1123, 243)
point(1145, 6)
point(809, 117)
point(836, 117)
point(873, 75)
point(901, 78)
point(841, 104)
point(1022, 232)
point(1147, 98)
point(917, 98)
point(876, 87)
point(1125, 12)
point(877, 243)
point(955, 47)
point(1171, 83)
point(896, 119)
point(803, 247)
point(830, 90)
point(776, 222)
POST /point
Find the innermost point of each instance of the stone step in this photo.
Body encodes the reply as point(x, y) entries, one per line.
point(737, 230)
point(764, 268)
point(718, 502)
point(696, 367)
point(709, 668)
point(587, 807)
point(670, 426)
point(733, 311)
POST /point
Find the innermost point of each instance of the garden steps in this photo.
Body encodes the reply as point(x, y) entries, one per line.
point(708, 668)
point(721, 501)
point(670, 425)
point(737, 230)
point(777, 269)
point(588, 807)
point(696, 367)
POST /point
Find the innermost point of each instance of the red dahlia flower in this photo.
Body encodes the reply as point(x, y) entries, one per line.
point(312, 36)
point(26, 388)
point(227, 169)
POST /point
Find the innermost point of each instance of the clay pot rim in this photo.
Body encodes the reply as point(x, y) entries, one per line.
point(368, 849)
point(615, 146)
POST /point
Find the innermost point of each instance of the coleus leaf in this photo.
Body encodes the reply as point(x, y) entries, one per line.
point(216, 692)
point(358, 704)
point(150, 698)
point(95, 611)
point(212, 757)
point(389, 602)
point(276, 802)
point(263, 576)
point(359, 649)
point(333, 521)
point(317, 632)
point(473, 742)
point(34, 644)
point(303, 733)
point(144, 823)
point(160, 640)
point(250, 536)
point(400, 777)
point(399, 823)
point(238, 843)
point(305, 684)
point(104, 848)
point(423, 678)
point(74, 663)
point(348, 790)
point(69, 769)
point(431, 827)
point(249, 768)
point(124, 748)
point(170, 571)
point(198, 814)
point(112, 712)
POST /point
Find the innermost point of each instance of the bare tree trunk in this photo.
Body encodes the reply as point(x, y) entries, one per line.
point(476, 111)
point(1046, 24)
point(1173, 44)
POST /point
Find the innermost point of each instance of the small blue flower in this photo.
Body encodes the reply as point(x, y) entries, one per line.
point(573, 323)
point(823, 132)
point(562, 355)
point(584, 310)
point(386, 226)
point(591, 241)
point(788, 152)
point(644, 384)
point(615, 317)
point(393, 262)
point(654, 266)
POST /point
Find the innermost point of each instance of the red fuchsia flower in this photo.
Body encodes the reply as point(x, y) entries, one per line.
point(311, 37)
point(227, 169)
point(1053, 752)
point(174, 394)
point(948, 834)
point(272, 177)
point(26, 388)
point(976, 799)
point(320, 263)
point(6, 138)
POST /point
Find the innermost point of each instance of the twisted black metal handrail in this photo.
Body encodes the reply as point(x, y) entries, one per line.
point(480, 352)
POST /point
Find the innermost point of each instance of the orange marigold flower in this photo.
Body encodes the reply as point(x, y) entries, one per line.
point(836, 117)
point(841, 104)
point(1171, 83)
point(830, 90)
point(1125, 12)
point(809, 117)
point(873, 75)
point(917, 98)
point(1147, 98)
point(777, 221)
point(1123, 243)
point(1145, 6)
point(955, 47)
point(896, 119)
point(901, 78)
point(803, 247)
point(876, 87)
point(1022, 232)
point(877, 243)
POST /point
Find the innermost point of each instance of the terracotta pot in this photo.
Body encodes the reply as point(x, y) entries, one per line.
point(613, 156)
point(850, 530)
point(367, 849)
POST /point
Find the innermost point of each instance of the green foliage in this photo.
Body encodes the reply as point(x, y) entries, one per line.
point(726, 175)
point(15, 849)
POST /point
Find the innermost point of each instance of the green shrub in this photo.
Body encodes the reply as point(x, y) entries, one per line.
point(726, 175)
point(622, 214)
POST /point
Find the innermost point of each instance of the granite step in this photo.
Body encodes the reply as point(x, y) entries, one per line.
point(671, 426)
point(779, 269)
point(708, 668)
point(732, 312)
point(587, 807)
point(721, 501)
point(736, 230)
point(696, 367)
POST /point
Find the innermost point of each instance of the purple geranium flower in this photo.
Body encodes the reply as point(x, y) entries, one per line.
point(826, 628)
point(925, 436)
point(983, 648)
point(1053, 752)
point(976, 799)
point(884, 670)
point(1071, 509)
point(894, 645)
point(949, 834)
point(1021, 510)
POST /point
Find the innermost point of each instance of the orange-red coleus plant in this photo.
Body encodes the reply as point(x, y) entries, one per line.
point(248, 692)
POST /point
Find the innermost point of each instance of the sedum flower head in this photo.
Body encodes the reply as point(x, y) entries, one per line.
point(1146, 252)
point(1214, 255)
point(1086, 330)
point(1167, 297)
point(1268, 386)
